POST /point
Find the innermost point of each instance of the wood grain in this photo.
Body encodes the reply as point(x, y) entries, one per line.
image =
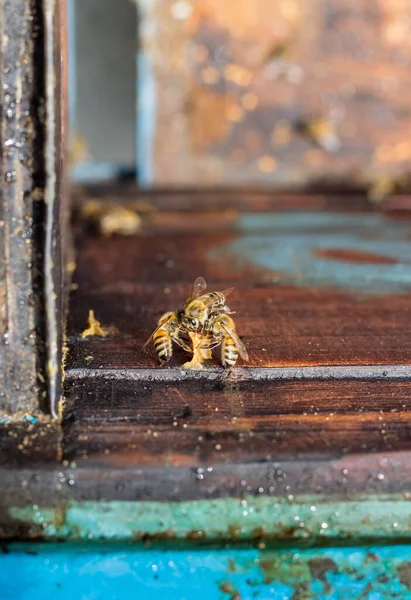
point(329, 372)
point(324, 313)
point(196, 423)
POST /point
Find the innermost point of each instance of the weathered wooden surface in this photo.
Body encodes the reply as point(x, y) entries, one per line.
point(315, 426)
point(22, 209)
point(322, 304)
point(295, 92)
point(31, 121)
point(125, 423)
point(311, 288)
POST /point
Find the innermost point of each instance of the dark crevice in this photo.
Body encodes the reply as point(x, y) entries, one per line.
point(38, 166)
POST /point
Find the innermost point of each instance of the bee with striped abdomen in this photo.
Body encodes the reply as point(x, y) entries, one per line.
point(202, 324)
point(168, 330)
point(198, 308)
point(221, 330)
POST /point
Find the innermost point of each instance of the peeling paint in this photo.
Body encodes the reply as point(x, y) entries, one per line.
point(299, 519)
point(315, 249)
point(126, 573)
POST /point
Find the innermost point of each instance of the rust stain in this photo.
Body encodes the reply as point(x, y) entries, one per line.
point(404, 571)
point(354, 256)
point(319, 567)
point(228, 588)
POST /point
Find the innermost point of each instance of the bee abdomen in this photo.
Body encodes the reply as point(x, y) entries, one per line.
point(162, 345)
point(229, 353)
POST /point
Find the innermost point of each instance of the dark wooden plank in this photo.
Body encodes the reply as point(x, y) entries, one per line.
point(120, 423)
point(150, 400)
point(330, 198)
point(285, 93)
point(246, 440)
point(31, 122)
point(312, 288)
point(29, 442)
point(329, 373)
point(352, 477)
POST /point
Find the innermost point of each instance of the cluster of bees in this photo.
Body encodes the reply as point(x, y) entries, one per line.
point(201, 325)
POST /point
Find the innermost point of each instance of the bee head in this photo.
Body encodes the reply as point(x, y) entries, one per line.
point(190, 323)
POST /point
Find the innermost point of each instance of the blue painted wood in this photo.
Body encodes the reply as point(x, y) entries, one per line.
point(293, 244)
point(126, 573)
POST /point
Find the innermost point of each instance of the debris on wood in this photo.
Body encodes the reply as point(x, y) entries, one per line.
point(94, 327)
point(111, 218)
point(381, 188)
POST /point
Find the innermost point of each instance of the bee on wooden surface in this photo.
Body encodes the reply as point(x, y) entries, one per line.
point(220, 329)
point(198, 308)
point(168, 330)
point(202, 324)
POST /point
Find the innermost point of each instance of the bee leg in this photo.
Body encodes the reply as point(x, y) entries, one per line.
point(206, 349)
point(182, 344)
point(211, 345)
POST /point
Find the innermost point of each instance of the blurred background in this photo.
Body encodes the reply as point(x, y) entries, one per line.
point(306, 94)
point(102, 39)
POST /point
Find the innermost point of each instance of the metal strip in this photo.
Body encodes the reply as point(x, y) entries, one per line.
point(349, 372)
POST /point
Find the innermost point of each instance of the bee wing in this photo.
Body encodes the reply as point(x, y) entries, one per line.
point(199, 286)
point(241, 348)
point(227, 291)
point(213, 300)
point(155, 331)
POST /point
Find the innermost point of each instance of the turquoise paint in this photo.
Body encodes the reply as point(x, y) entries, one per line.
point(87, 573)
point(29, 418)
point(286, 243)
point(288, 519)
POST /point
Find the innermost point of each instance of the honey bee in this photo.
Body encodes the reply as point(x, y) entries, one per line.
point(198, 308)
point(221, 330)
point(202, 324)
point(168, 330)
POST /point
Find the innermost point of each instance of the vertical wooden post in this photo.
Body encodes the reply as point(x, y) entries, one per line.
point(31, 135)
